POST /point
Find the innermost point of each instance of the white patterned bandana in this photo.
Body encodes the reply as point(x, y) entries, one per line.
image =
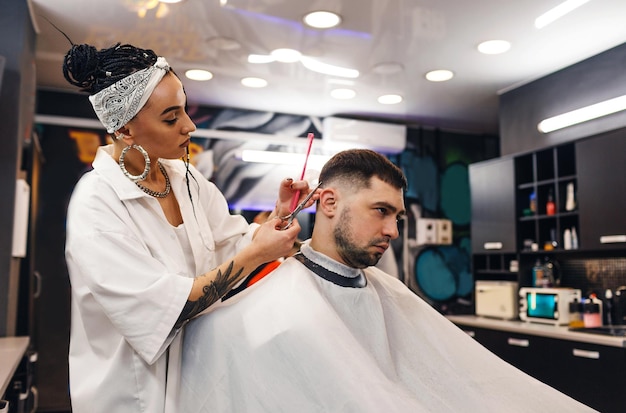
point(120, 102)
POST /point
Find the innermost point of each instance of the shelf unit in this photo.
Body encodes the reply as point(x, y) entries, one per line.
point(542, 173)
point(494, 266)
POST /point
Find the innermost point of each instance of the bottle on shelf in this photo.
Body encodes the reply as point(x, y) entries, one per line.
point(550, 205)
point(533, 202)
point(574, 239)
point(549, 273)
point(567, 239)
point(592, 312)
point(576, 314)
point(538, 274)
point(570, 202)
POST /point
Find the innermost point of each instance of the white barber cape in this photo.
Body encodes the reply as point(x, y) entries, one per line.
point(295, 342)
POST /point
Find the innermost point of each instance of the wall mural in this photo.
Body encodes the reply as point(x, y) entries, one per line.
point(434, 162)
point(436, 165)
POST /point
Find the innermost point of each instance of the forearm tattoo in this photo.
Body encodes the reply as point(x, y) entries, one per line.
point(223, 283)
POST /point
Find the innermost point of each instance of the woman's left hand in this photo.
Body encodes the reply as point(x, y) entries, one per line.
point(288, 189)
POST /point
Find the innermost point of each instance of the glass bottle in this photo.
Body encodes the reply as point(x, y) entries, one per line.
point(550, 206)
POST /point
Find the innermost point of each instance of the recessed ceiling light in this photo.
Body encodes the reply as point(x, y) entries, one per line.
point(254, 82)
point(286, 55)
point(198, 74)
point(342, 93)
point(440, 75)
point(494, 46)
point(322, 19)
point(389, 99)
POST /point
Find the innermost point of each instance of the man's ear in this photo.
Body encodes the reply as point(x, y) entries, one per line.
point(328, 202)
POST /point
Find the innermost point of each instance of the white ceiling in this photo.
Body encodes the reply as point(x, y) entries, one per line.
point(421, 35)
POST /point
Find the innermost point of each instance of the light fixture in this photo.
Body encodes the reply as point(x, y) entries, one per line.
point(322, 19)
point(291, 55)
point(440, 75)
point(558, 12)
point(494, 47)
point(342, 93)
point(198, 74)
point(170, 1)
point(327, 69)
point(584, 114)
point(255, 82)
point(286, 55)
point(389, 99)
point(284, 158)
point(141, 7)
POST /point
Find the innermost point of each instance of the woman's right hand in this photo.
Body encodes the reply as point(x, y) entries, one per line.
point(272, 242)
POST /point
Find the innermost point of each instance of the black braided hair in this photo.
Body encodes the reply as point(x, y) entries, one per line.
point(93, 70)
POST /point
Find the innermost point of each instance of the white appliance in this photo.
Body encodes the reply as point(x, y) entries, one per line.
point(496, 299)
point(546, 305)
point(339, 134)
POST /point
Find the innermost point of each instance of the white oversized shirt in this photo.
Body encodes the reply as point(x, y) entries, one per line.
point(130, 281)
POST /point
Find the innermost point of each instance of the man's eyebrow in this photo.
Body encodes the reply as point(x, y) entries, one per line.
point(170, 109)
point(390, 207)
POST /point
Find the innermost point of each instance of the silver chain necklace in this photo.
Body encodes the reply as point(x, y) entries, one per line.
point(155, 193)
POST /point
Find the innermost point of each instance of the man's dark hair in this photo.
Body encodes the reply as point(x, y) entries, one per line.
point(357, 166)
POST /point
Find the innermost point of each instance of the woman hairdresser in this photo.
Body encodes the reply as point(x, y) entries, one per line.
point(150, 242)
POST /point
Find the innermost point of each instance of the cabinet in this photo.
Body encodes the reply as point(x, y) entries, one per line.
point(493, 206)
point(591, 373)
point(493, 218)
point(602, 191)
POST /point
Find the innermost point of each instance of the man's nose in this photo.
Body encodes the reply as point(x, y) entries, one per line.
point(390, 229)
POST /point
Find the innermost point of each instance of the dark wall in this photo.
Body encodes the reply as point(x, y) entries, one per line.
point(591, 81)
point(17, 103)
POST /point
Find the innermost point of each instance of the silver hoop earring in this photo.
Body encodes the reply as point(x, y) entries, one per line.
point(120, 136)
point(146, 158)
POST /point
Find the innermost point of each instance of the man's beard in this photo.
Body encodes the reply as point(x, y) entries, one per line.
point(353, 255)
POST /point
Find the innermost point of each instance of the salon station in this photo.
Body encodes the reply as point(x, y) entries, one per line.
point(508, 121)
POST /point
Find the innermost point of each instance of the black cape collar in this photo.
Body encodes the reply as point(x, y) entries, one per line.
point(341, 280)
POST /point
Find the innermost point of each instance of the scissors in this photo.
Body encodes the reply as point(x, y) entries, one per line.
point(289, 218)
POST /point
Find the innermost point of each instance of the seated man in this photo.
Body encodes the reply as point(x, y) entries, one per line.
point(328, 332)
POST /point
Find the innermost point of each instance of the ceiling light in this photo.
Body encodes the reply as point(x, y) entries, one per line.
point(198, 74)
point(284, 158)
point(494, 46)
point(260, 58)
point(440, 75)
point(170, 1)
point(584, 114)
point(342, 93)
point(322, 19)
point(327, 69)
point(290, 56)
point(389, 99)
point(558, 12)
point(286, 55)
point(256, 82)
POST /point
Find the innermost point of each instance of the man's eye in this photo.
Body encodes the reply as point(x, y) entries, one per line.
point(171, 121)
point(382, 210)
